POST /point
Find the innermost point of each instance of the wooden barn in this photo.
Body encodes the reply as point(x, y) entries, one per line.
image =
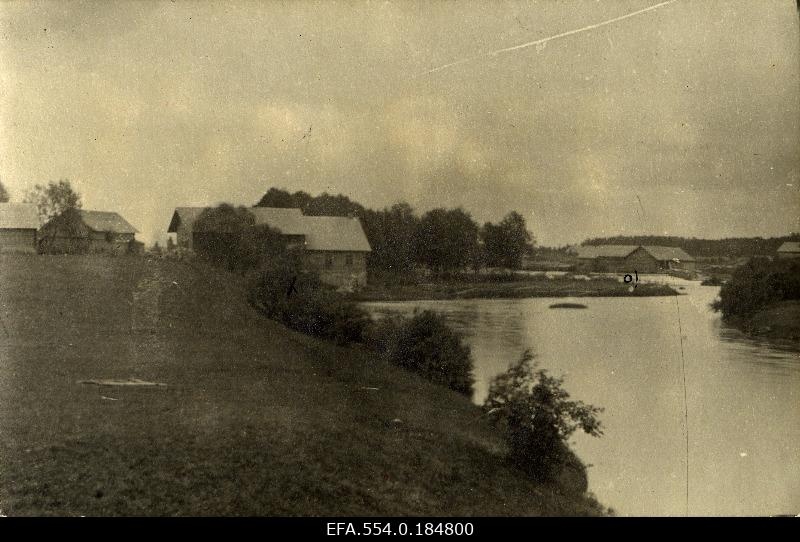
point(629, 258)
point(671, 258)
point(335, 246)
point(18, 225)
point(82, 232)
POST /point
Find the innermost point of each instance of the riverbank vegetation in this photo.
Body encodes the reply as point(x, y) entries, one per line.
point(537, 418)
point(532, 406)
point(762, 297)
point(440, 240)
point(506, 286)
point(254, 418)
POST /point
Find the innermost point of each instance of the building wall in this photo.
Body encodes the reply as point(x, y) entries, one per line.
point(17, 240)
point(788, 255)
point(641, 261)
point(183, 235)
point(341, 269)
point(92, 243)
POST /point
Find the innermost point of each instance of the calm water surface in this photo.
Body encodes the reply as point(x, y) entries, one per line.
point(624, 354)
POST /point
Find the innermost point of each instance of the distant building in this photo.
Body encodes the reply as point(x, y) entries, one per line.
point(789, 249)
point(671, 258)
point(18, 225)
point(81, 232)
point(336, 247)
point(629, 258)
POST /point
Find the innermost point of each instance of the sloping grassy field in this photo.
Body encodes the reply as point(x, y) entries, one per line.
point(254, 419)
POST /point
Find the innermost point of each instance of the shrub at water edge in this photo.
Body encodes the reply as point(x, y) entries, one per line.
point(537, 418)
point(426, 345)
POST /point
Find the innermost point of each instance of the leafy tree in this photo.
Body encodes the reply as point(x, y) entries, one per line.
point(259, 243)
point(53, 199)
point(68, 223)
point(537, 417)
point(507, 242)
point(323, 205)
point(285, 291)
point(446, 239)
point(228, 236)
point(757, 284)
point(426, 345)
point(4, 197)
point(278, 197)
point(392, 236)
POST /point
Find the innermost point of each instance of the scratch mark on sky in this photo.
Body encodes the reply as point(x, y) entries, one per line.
point(541, 42)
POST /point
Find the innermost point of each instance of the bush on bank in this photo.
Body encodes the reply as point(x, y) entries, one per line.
point(537, 417)
point(758, 284)
point(286, 292)
point(426, 345)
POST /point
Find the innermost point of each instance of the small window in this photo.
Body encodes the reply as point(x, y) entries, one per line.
point(348, 260)
point(328, 261)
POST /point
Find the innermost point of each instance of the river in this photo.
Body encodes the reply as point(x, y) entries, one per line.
point(626, 355)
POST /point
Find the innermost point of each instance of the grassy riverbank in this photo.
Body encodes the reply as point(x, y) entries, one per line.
point(254, 419)
point(535, 286)
point(779, 321)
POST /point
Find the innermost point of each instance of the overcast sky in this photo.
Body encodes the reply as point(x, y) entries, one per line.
point(682, 120)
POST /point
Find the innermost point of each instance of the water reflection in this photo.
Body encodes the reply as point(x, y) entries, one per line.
point(626, 355)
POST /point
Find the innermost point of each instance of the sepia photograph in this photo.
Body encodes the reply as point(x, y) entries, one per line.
point(399, 259)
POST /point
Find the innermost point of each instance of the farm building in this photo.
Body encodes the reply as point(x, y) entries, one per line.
point(335, 246)
point(789, 249)
point(628, 258)
point(18, 225)
point(671, 258)
point(81, 232)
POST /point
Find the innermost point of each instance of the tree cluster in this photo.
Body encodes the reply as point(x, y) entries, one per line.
point(758, 284)
point(53, 199)
point(443, 240)
point(229, 237)
point(734, 247)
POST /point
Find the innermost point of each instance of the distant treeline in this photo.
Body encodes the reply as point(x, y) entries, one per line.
point(442, 240)
point(734, 247)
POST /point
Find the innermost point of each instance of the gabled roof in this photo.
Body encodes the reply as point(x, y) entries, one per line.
point(668, 253)
point(335, 233)
point(605, 251)
point(288, 221)
point(106, 221)
point(321, 232)
point(623, 251)
point(22, 216)
point(790, 246)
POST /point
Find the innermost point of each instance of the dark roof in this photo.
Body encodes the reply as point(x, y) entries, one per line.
point(106, 221)
point(329, 233)
point(668, 253)
point(623, 251)
point(605, 251)
point(789, 246)
point(289, 221)
point(335, 233)
point(19, 216)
